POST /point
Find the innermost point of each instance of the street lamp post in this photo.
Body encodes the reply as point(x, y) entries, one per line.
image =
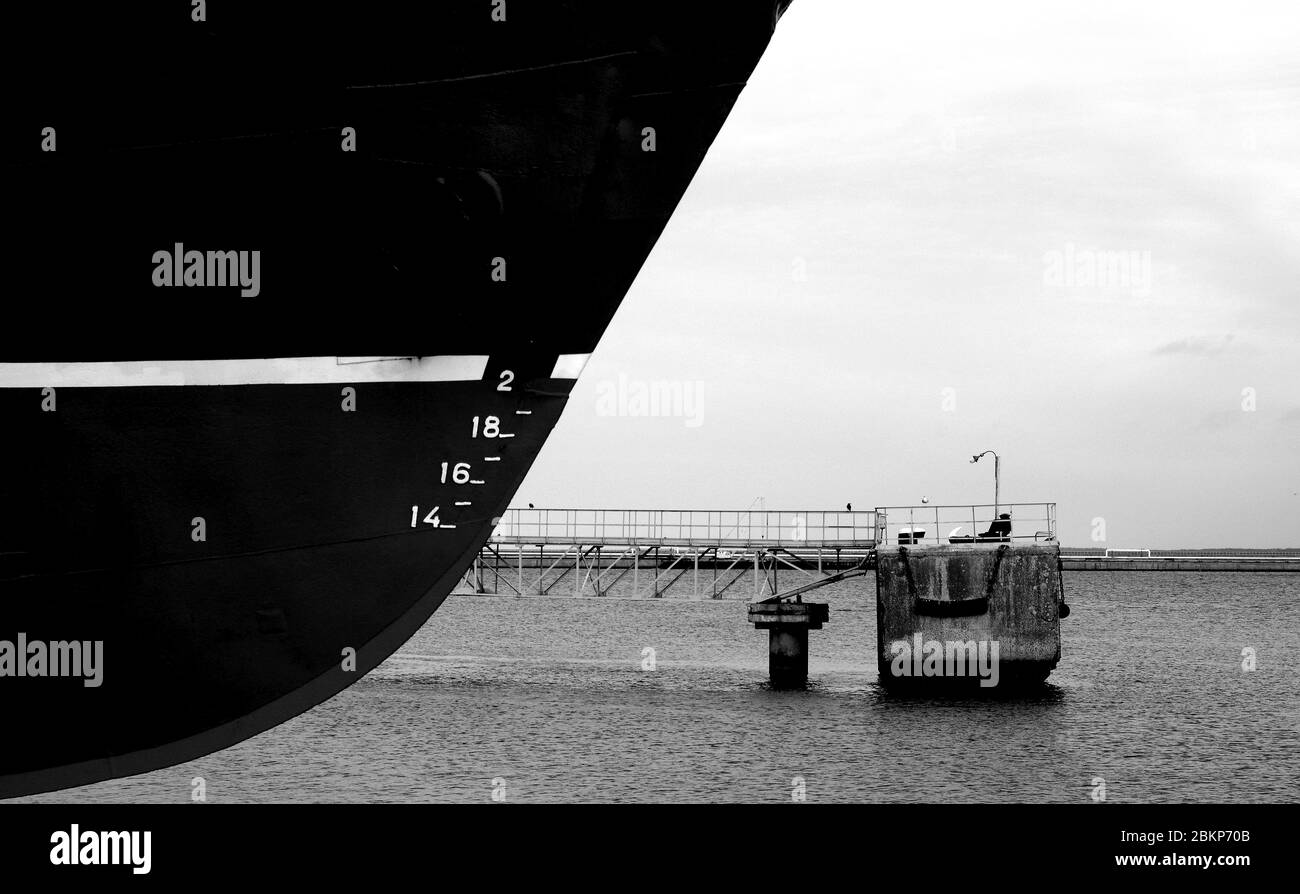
point(996, 465)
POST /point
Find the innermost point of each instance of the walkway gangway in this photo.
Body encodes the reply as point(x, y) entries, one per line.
point(650, 552)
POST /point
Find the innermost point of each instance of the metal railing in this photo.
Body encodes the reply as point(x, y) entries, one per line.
point(689, 527)
point(943, 525)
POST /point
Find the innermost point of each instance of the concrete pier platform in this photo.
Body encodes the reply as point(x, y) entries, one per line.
point(985, 615)
point(788, 624)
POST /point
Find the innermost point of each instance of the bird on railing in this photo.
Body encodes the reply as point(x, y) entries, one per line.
point(848, 507)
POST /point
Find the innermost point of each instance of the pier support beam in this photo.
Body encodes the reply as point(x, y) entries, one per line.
point(788, 624)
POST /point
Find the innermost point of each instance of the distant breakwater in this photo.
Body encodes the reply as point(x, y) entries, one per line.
point(1211, 559)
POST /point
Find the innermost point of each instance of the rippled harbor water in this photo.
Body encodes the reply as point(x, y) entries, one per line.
point(547, 696)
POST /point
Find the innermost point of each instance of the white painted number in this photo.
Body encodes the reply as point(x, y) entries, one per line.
point(506, 378)
point(459, 473)
point(491, 427)
point(430, 519)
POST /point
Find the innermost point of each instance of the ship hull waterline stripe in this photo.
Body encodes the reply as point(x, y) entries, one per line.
point(269, 371)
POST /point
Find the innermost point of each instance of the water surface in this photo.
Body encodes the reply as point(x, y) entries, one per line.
point(547, 696)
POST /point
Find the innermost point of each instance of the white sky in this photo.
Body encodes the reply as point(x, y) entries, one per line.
point(925, 160)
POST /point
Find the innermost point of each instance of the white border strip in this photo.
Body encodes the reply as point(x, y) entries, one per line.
point(569, 366)
point(270, 371)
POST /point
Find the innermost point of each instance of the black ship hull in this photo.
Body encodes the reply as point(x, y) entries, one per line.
point(248, 494)
point(232, 543)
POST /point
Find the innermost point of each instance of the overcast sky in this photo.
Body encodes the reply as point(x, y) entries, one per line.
point(1069, 233)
